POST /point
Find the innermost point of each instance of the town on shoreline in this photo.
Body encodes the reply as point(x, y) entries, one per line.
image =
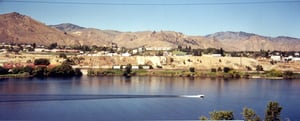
point(156, 61)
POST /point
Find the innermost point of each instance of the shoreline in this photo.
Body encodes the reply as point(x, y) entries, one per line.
point(199, 74)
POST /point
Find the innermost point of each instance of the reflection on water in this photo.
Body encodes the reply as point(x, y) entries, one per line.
point(220, 94)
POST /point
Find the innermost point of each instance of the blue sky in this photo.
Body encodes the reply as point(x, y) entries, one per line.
point(269, 19)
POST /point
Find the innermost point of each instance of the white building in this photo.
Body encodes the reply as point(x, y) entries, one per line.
point(126, 54)
point(276, 58)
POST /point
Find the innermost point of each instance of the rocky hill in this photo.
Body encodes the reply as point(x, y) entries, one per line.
point(17, 28)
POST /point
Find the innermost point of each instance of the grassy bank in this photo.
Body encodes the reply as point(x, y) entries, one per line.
point(23, 75)
point(273, 74)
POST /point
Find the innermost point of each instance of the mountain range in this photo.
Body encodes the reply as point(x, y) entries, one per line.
point(18, 28)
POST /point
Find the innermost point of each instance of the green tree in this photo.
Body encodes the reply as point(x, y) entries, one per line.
point(273, 111)
point(250, 115)
point(221, 115)
point(192, 69)
point(203, 118)
point(3, 70)
point(259, 68)
point(17, 70)
point(222, 52)
point(227, 69)
point(41, 61)
point(64, 69)
point(52, 46)
point(28, 69)
point(128, 70)
point(62, 55)
point(40, 71)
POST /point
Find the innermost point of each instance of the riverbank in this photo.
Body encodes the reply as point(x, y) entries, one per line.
point(23, 75)
point(273, 74)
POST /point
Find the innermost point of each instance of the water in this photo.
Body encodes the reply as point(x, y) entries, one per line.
point(219, 94)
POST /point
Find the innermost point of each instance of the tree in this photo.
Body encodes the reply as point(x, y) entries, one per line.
point(192, 69)
point(227, 69)
point(273, 111)
point(62, 55)
point(259, 68)
point(221, 115)
point(3, 70)
point(127, 70)
point(40, 71)
point(34, 45)
point(222, 52)
point(52, 46)
point(250, 115)
point(64, 69)
point(41, 61)
point(203, 118)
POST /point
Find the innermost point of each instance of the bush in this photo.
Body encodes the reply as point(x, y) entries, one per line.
point(288, 74)
point(273, 111)
point(62, 55)
point(259, 68)
point(227, 69)
point(128, 70)
point(41, 61)
point(221, 115)
point(213, 70)
point(63, 70)
point(192, 69)
point(40, 71)
point(220, 69)
point(3, 70)
point(17, 70)
point(274, 73)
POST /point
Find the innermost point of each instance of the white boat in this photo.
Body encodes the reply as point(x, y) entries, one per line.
point(192, 96)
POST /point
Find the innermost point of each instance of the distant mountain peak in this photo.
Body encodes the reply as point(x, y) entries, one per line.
point(230, 35)
point(67, 27)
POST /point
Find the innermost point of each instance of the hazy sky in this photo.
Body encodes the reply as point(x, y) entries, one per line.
point(191, 17)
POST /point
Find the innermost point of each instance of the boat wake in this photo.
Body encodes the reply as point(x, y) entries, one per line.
point(55, 97)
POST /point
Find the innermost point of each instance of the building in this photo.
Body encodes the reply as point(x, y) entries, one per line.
point(276, 58)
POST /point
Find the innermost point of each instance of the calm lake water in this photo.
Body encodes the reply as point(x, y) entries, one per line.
point(219, 95)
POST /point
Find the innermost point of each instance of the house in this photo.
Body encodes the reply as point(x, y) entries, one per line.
point(126, 54)
point(116, 67)
point(276, 58)
point(41, 50)
point(159, 48)
point(134, 67)
point(216, 55)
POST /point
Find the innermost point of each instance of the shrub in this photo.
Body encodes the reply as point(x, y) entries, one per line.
point(41, 61)
point(288, 74)
point(192, 69)
point(3, 70)
point(259, 68)
point(248, 68)
point(40, 71)
point(221, 115)
point(17, 70)
point(227, 69)
point(213, 70)
point(62, 55)
point(220, 69)
point(64, 69)
point(128, 70)
point(274, 73)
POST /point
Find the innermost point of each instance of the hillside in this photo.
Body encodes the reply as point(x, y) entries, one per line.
point(17, 28)
point(230, 41)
